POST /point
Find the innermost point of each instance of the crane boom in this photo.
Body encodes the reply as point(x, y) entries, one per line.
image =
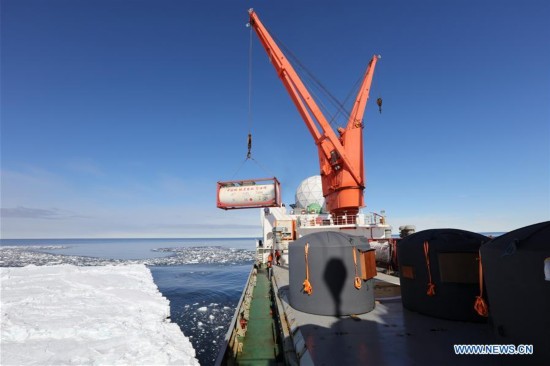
point(340, 157)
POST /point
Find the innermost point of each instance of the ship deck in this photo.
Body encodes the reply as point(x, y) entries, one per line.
point(260, 344)
point(388, 335)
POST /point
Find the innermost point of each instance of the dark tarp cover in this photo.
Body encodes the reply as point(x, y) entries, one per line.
point(518, 290)
point(454, 271)
point(331, 274)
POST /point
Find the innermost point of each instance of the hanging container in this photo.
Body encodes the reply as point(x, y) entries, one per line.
point(250, 193)
point(439, 273)
point(519, 292)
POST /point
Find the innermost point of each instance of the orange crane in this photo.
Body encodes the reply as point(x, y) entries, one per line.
point(340, 157)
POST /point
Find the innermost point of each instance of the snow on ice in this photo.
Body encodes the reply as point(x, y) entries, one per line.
point(72, 315)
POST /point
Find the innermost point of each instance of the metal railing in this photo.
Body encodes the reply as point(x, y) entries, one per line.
point(309, 220)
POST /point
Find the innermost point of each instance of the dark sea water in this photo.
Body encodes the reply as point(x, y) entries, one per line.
point(202, 278)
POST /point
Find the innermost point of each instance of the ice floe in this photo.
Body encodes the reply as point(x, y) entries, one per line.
point(18, 256)
point(53, 315)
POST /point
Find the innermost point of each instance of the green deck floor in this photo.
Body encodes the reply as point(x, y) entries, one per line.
point(259, 347)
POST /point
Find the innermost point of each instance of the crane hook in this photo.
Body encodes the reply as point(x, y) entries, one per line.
point(248, 155)
point(379, 102)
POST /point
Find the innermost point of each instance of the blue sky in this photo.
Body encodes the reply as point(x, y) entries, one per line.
point(119, 117)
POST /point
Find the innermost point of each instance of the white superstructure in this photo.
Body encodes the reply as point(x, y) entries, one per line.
point(282, 225)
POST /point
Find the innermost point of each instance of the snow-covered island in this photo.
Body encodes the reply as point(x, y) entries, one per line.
point(104, 315)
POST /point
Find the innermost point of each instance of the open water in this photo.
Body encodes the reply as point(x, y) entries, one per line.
point(202, 278)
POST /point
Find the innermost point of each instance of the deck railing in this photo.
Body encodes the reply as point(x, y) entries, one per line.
point(308, 220)
point(230, 347)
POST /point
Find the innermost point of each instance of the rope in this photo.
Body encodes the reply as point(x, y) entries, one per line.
point(238, 168)
point(480, 305)
point(307, 285)
point(357, 281)
point(269, 173)
point(431, 285)
point(265, 170)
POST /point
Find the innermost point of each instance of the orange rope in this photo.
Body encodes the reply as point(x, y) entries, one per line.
point(307, 285)
point(357, 279)
point(431, 285)
point(480, 305)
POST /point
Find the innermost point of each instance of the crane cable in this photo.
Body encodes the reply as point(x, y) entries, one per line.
point(340, 107)
point(249, 154)
point(378, 87)
point(249, 139)
point(250, 119)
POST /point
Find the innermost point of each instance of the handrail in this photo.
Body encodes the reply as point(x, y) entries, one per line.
point(309, 220)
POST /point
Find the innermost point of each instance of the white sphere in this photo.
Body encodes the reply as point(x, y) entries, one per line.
point(310, 191)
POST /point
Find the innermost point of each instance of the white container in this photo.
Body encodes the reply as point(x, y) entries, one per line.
point(252, 193)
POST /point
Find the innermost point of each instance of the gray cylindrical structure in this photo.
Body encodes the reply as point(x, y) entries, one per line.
point(454, 269)
point(331, 274)
point(518, 290)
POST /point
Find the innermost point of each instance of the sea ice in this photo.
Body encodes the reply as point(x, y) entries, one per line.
point(64, 314)
point(18, 256)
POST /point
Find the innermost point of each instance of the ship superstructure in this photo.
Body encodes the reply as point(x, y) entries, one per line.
point(281, 226)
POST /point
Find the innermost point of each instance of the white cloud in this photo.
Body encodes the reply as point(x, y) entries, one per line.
point(41, 204)
point(36, 213)
point(37, 203)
